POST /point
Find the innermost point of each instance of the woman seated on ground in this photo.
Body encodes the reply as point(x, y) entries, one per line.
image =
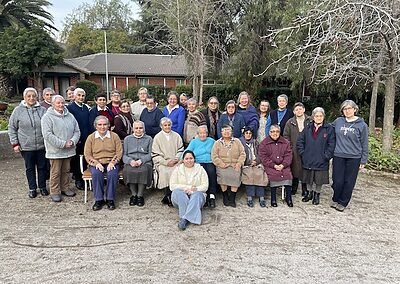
point(188, 184)
point(233, 119)
point(253, 175)
point(123, 121)
point(315, 146)
point(166, 151)
point(276, 156)
point(202, 148)
point(138, 167)
point(228, 156)
point(103, 151)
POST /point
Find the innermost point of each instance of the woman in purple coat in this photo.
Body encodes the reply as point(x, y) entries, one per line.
point(275, 154)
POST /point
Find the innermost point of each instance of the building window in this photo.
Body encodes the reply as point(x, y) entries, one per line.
point(180, 82)
point(48, 82)
point(144, 81)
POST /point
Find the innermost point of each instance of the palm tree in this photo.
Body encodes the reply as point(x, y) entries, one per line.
point(22, 13)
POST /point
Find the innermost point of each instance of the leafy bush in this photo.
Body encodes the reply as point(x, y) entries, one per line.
point(383, 161)
point(157, 91)
point(3, 124)
point(90, 87)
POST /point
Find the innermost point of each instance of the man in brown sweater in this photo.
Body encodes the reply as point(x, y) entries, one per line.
point(103, 151)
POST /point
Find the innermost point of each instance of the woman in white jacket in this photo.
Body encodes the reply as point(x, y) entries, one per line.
point(189, 183)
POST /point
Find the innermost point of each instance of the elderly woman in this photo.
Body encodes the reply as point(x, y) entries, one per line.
point(212, 115)
point(351, 153)
point(61, 134)
point(228, 156)
point(276, 156)
point(103, 151)
point(315, 145)
point(294, 126)
point(202, 147)
point(123, 121)
point(248, 111)
point(47, 95)
point(175, 112)
point(193, 120)
point(263, 111)
point(151, 117)
point(231, 118)
point(138, 106)
point(166, 151)
point(253, 174)
point(25, 133)
point(138, 167)
point(280, 115)
point(188, 183)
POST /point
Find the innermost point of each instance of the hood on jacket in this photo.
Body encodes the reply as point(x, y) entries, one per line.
point(52, 111)
point(25, 105)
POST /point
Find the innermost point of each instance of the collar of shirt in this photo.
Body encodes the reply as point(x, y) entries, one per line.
point(97, 135)
point(99, 109)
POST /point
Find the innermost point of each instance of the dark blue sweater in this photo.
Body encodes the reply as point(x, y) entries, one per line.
point(238, 124)
point(250, 116)
point(151, 120)
point(81, 114)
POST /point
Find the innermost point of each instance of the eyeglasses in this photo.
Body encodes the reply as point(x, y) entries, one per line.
point(248, 132)
point(124, 106)
point(213, 103)
point(348, 108)
point(138, 127)
point(274, 131)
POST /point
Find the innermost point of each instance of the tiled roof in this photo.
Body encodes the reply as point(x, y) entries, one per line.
point(131, 64)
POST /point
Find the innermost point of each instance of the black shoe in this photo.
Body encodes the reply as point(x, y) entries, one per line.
point(225, 198)
point(274, 204)
point(140, 201)
point(44, 192)
point(273, 197)
point(263, 204)
point(32, 193)
point(98, 205)
point(232, 199)
point(304, 190)
point(288, 197)
point(110, 204)
point(133, 200)
point(250, 203)
point(79, 184)
point(207, 203)
point(289, 202)
point(308, 196)
point(294, 191)
point(315, 200)
point(212, 203)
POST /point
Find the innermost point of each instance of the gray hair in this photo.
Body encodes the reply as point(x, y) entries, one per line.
point(202, 127)
point(230, 102)
point(318, 109)
point(173, 93)
point(164, 120)
point(54, 98)
point(30, 90)
point(275, 126)
point(191, 100)
point(45, 90)
point(283, 96)
point(348, 103)
point(141, 123)
point(142, 89)
point(79, 90)
point(100, 117)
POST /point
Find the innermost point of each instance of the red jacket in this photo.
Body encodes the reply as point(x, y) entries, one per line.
point(273, 153)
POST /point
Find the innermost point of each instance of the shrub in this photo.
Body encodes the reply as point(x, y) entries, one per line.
point(383, 161)
point(90, 88)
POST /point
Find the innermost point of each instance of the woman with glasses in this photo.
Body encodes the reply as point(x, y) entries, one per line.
point(276, 156)
point(212, 115)
point(151, 117)
point(175, 112)
point(350, 155)
point(138, 166)
point(233, 119)
point(123, 121)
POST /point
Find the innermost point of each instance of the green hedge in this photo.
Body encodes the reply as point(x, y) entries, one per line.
point(90, 88)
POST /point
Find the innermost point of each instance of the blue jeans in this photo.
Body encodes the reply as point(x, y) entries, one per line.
point(344, 176)
point(35, 161)
point(189, 206)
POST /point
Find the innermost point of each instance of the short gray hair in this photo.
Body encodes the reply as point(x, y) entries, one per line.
point(29, 90)
point(202, 127)
point(164, 120)
point(283, 96)
point(318, 109)
point(191, 100)
point(275, 126)
point(350, 103)
point(54, 98)
point(100, 117)
point(141, 123)
point(79, 90)
point(45, 90)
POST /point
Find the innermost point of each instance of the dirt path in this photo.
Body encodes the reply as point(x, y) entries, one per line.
point(43, 242)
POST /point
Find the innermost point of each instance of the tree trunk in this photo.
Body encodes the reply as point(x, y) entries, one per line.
point(388, 117)
point(5, 86)
point(372, 107)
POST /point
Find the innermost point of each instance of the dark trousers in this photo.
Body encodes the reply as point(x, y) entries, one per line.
point(212, 177)
point(344, 176)
point(35, 161)
point(254, 190)
point(75, 162)
point(98, 182)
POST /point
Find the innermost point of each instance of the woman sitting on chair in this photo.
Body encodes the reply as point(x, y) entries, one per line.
point(103, 151)
point(189, 183)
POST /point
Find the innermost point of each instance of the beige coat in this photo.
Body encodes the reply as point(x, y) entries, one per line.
point(183, 178)
point(228, 156)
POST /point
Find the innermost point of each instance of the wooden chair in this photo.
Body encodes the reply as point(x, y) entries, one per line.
point(87, 177)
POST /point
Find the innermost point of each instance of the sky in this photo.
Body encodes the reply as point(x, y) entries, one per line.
point(61, 8)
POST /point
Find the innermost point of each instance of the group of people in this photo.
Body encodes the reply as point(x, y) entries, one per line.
point(187, 153)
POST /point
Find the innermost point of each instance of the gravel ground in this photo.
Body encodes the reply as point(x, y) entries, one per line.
point(43, 242)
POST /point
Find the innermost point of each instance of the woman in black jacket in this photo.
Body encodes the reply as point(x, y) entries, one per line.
point(316, 145)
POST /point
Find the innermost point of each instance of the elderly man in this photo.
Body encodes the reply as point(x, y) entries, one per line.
point(80, 111)
point(140, 105)
point(279, 116)
point(46, 95)
point(103, 151)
